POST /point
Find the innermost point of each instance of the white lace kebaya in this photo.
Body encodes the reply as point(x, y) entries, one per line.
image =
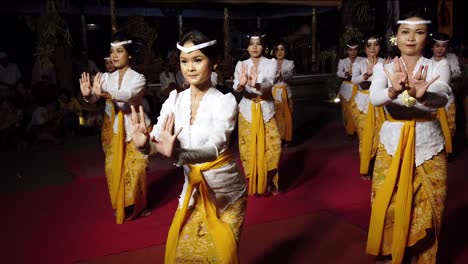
point(359, 69)
point(287, 72)
point(343, 66)
point(429, 137)
point(266, 77)
point(129, 93)
point(210, 132)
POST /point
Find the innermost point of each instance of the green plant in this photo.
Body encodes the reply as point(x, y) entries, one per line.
point(52, 32)
point(361, 10)
point(349, 32)
point(333, 87)
point(328, 60)
point(136, 26)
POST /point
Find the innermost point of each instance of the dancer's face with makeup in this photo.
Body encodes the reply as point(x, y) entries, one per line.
point(196, 67)
point(411, 38)
point(255, 48)
point(352, 52)
point(280, 52)
point(119, 56)
point(372, 48)
point(440, 49)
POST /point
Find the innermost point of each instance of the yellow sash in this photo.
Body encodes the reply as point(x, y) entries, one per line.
point(223, 237)
point(367, 140)
point(401, 170)
point(354, 91)
point(442, 116)
point(117, 187)
point(286, 110)
point(258, 166)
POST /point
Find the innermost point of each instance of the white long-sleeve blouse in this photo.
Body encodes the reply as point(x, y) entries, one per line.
point(130, 92)
point(343, 66)
point(429, 137)
point(215, 119)
point(266, 77)
point(287, 72)
point(359, 69)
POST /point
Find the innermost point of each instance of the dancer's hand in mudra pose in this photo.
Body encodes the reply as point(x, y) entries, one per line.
point(140, 134)
point(85, 85)
point(417, 85)
point(243, 77)
point(167, 141)
point(253, 76)
point(399, 78)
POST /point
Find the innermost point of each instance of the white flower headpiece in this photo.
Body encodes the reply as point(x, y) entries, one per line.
point(393, 40)
point(116, 44)
point(196, 47)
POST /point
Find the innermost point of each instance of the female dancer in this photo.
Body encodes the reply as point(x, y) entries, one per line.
point(446, 115)
point(282, 93)
point(125, 166)
point(364, 116)
point(409, 178)
point(259, 138)
point(348, 89)
point(214, 188)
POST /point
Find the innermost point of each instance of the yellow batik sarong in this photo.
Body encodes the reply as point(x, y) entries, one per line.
point(126, 170)
point(347, 108)
point(407, 202)
point(368, 130)
point(221, 244)
point(260, 150)
point(283, 113)
point(447, 123)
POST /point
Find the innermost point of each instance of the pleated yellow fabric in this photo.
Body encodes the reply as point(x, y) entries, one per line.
point(284, 111)
point(400, 174)
point(117, 188)
point(367, 149)
point(258, 169)
point(222, 234)
point(347, 108)
point(444, 124)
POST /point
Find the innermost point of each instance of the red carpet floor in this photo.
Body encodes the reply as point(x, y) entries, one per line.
point(310, 238)
point(73, 222)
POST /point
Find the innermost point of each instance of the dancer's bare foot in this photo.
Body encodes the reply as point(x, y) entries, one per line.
point(145, 213)
point(365, 177)
point(275, 192)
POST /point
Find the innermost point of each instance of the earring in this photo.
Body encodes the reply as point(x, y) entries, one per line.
point(129, 57)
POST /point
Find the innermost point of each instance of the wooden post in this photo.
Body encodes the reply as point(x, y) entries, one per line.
point(227, 38)
point(445, 16)
point(84, 41)
point(113, 18)
point(314, 39)
point(181, 26)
